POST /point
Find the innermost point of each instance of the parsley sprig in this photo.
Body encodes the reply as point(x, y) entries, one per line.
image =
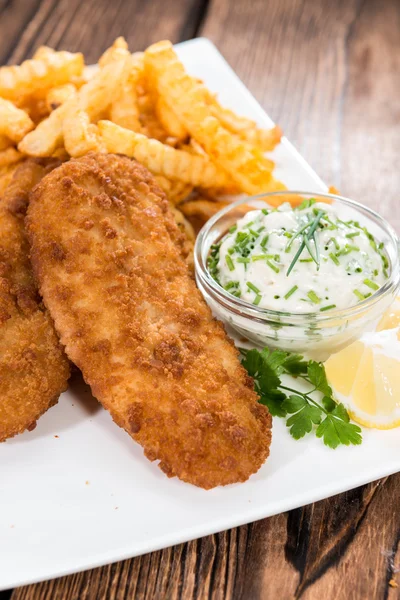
point(328, 418)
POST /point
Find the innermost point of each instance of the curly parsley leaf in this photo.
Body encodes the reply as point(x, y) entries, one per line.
point(252, 362)
point(294, 403)
point(332, 419)
point(317, 376)
point(328, 403)
point(334, 432)
point(302, 422)
point(274, 400)
point(295, 365)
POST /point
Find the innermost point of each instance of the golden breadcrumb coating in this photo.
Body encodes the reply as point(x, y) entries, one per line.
point(107, 254)
point(33, 368)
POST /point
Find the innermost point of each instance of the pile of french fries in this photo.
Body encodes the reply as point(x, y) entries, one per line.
point(144, 105)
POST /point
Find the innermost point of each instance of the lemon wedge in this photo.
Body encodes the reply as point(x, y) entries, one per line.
point(365, 376)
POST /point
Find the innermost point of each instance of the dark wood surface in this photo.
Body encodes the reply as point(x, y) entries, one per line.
point(328, 73)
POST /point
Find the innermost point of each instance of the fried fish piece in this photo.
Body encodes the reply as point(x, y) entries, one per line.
point(107, 254)
point(33, 368)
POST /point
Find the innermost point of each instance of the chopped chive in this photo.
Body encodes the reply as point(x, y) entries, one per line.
point(258, 257)
point(345, 223)
point(252, 287)
point(241, 237)
point(367, 295)
point(229, 262)
point(237, 294)
point(231, 250)
point(273, 267)
point(232, 229)
point(306, 243)
point(298, 232)
point(257, 299)
point(254, 232)
point(264, 241)
point(334, 258)
point(371, 284)
point(310, 251)
point(264, 211)
point(347, 249)
point(287, 234)
point(359, 270)
point(331, 223)
point(306, 203)
point(306, 260)
point(316, 246)
point(275, 257)
point(313, 297)
point(230, 285)
point(291, 292)
point(376, 272)
point(249, 224)
point(352, 235)
point(359, 295)
point(243, 260)
point(327, 307)
point(260, 229)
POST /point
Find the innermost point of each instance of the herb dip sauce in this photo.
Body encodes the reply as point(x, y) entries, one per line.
point(299, 260)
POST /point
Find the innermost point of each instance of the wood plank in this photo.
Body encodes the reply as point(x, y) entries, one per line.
point(91, 26)
point(323, 73)
point(370, 133)
point(292, 57)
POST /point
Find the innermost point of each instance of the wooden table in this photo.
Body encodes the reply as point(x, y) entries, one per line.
point(328, 73)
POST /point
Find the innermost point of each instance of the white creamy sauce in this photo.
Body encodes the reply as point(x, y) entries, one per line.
point(252, 261)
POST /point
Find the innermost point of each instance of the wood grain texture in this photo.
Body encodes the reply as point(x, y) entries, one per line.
point(328, 72)
point(91, 26)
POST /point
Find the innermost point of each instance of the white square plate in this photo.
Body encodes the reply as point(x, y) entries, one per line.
point(77, 492)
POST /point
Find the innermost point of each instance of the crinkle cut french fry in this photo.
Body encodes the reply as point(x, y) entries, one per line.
point(10, 156)
point(151, 127)
point(94, 98)
point(188, 99)
point(170, 121)
point(114, 52)
point(14, 122)
point(124, 108)
point(200, 210)
point(164, 183)
point(176, 191)
point(179, 191)
point(266, 139)
point(80, 136)
point(59, 95)
point(43, 53)
point(22, 82)
point(160, 158)
point(246, 129)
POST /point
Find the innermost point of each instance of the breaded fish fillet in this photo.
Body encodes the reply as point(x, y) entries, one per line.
point(33, 368)
point(106, 252)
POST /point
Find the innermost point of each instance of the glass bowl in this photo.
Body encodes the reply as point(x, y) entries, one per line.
point(315, 334)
